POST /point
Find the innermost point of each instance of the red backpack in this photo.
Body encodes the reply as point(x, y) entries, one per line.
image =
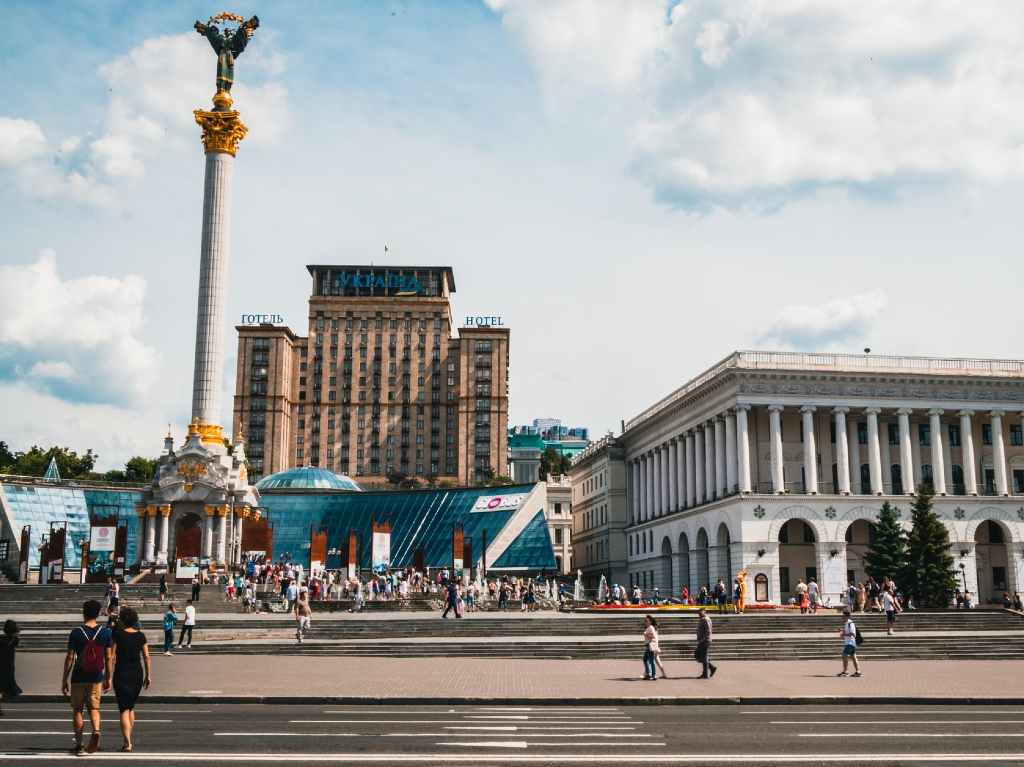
point(92, 659)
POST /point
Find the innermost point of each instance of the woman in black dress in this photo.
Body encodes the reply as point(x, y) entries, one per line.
point(131, 670)
point(8, 644)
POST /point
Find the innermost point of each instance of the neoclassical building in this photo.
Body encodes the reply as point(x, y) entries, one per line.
point(776, 462)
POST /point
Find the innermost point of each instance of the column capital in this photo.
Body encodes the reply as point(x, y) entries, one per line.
point(965, 413)
point(151, 510)
point(165, 510)
point(140, 510)
point(209, 510)
point(808, 409)
point(776, 408)
point(872, 410)
point(844, 409)
point(905, 411)
point(222, 510)
point(742, 406)
point(996, 413)
point(936, 411)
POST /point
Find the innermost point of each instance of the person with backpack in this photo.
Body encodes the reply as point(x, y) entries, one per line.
point(170, 618)
point(851, 638)
point(88, 668)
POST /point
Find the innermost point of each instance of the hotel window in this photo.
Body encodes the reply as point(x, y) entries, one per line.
point(894, 434)
point(862, 433)
point(924, 435)
point(954, 436)
point(299, 455)
point(986, 434)
point(258, 387)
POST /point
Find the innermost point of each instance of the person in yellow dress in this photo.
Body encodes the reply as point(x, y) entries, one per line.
point(741, 601)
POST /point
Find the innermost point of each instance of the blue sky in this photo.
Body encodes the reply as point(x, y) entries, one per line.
point(637, 187)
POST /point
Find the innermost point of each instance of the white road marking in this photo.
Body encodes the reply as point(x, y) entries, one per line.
point(293, 735)
point(539, 735)
point(536, 758)
point(36, 732)
point(523, 717)
point(539, 720)
point(524, 744)
point(997, 735)
point(371, 710)
point(204, 692)
point(68, 719)
point(522, 728)
point(549, 708)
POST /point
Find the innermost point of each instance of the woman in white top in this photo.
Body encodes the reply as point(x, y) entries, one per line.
point(652, 650)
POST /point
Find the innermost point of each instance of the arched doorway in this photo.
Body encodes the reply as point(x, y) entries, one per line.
point(723, 547)
point(663, 580)
point(991, 556)
point(701, 561)
point(797, 559)
point(188, 536)
point(859, 537)
point(684, 564)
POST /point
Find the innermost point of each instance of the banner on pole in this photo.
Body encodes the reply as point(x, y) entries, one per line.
point(380, 559)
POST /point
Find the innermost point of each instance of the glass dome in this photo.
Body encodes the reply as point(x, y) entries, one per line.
point(307, 478)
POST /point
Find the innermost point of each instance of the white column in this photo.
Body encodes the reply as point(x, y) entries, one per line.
point(208, 537)
point(730, 452)
point(699, 459)
point(874, 451)
point(906, 452)
point(673, 474)
point(842, 451)
point(164, 534)
point(642, 508)
point(999, 452)
point(720, 479)
point(775, 425)
point(810, 451)
point(150, 535)
point(709, 461)
point(938, 458)
point(967, 450)
point(649, 509)
point(853, 447)
point(743, 448)
point(691, 470)
point(236, 553)
point(213, 265)
point(666, 480)
point(222, 538)
point(659, 483)
point(681, 495)
point(636, 490)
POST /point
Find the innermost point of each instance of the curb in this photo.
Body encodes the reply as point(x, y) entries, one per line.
point(300, 700)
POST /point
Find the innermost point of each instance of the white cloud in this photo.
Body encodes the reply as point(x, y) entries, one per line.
point(153, 90)
point(76, 339)
point(828, 326)
point(20, 141)
point(737, 103)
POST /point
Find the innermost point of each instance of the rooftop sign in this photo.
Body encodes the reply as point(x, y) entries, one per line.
point(388, 281)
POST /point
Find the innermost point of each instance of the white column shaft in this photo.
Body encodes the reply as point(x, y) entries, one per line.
point(208, 538)
point(222, 539)
point(810, 452)
point(938, 449)
point(775, 427)
point(842, 453)
point(673, 475)
point(691, 471)
point(699, 461)
point(853, 448)
point(874, 452)
point(967, 450)
point(720, 478)
point(730, 453)
point(709, 462)
point(213, 267)
point(666, 483)
point(165, 525)
point(999, 453)
point(636, 489)
point(649, 508)
point(906, 454)
point(743, 449)
point(150, 538)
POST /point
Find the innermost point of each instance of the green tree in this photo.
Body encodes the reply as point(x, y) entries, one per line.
point(139, 469)
point(499, 481)
point(33, 462)
point(928, 575)
point(552, 461)
point(887, 555)
point(7, 459)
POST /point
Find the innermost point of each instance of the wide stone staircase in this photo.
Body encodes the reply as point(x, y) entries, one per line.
point(59, 599)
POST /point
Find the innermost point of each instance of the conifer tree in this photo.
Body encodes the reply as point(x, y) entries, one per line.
point(929, 575)
point(887, 555)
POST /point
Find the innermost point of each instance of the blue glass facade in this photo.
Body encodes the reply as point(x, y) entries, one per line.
point(39, 504)
point(306, 478)
point(532, 545)
point(420, 520)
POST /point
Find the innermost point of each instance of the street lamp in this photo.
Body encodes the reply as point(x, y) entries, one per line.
point(963, 574)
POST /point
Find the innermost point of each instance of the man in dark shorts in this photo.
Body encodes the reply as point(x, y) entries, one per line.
point(87, 673)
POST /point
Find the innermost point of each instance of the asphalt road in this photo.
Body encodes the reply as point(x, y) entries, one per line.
point(210, 734)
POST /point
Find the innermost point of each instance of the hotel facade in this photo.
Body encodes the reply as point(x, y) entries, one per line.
point(776, 463)
point(379, 386)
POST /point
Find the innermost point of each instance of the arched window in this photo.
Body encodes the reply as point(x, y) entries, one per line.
point(760, 587)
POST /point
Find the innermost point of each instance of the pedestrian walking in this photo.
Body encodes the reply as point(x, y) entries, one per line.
point(303, 614)
point(451, 600)
point(890, 605)
point(721, 595)
point(188, 625)
point(813, 595)
point(197, 586)
point(704, 638)
point(851, 638)
point(652, 650)
point(170, 618)
point(87, 672)
point(132, 671)
point(9, 689)
point(163, 587)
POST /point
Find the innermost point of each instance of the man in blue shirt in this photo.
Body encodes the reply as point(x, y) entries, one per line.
point(87, 670)
point(170, 618)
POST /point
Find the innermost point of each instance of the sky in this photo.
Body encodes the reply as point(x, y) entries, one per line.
point(637, 187)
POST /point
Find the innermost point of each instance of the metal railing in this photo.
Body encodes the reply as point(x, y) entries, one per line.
point(28, 479)
point(873, 363)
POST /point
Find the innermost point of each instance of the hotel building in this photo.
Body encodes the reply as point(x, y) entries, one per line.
point(776, 463)
point(379, 386)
